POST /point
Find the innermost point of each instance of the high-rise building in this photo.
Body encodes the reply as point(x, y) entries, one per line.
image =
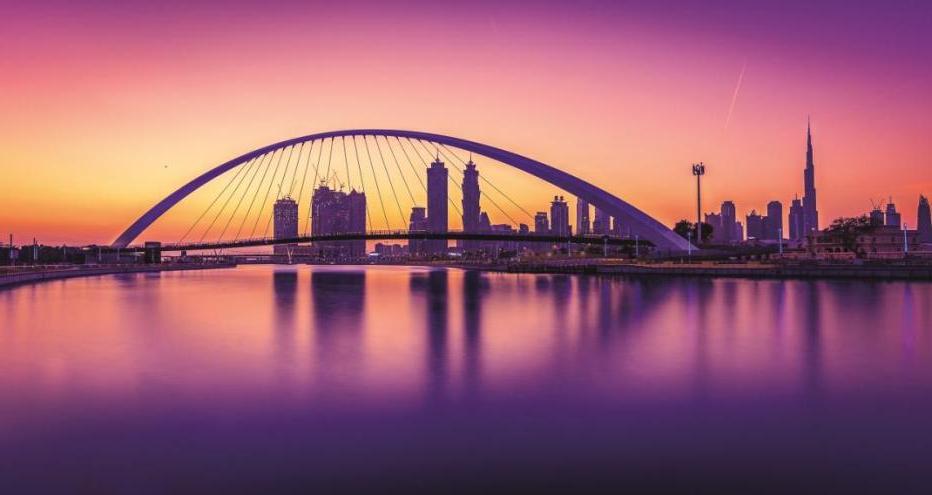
point(728, 218)
point(796, 219)
point(619, 230)
point(714, 220)
point(471, 209)
point(876, 217)
point(523, 230)
point(810, 209)
point(924, 221)
point(738, 235)
point(602, 223)
point(582, 216)
point(773, 224)
point(559, 217)
point(892, 217)
point(417, 222)
point(437, 197)
point(285, 223)
point(336, 212)
point(541, 223)
point(357, 221)
point(755, 225)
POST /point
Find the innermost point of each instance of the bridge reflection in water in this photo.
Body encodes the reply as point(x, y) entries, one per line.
point(414, 376)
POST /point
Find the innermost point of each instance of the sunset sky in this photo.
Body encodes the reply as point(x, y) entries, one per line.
point(106, 107)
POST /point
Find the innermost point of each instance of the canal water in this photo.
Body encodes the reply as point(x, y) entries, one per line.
point(264, 378)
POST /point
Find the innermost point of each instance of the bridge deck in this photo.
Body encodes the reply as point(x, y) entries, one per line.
point(381, 235)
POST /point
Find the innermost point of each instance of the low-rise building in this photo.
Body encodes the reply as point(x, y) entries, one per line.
point(869, 242)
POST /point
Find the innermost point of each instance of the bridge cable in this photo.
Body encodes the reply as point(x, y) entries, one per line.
point(268, 190)
point(378, 189)
point(310, 152)
point(426, 164)
point(416, 175)
point(388, 144)
point(362, 183)
point(260, 164)
point(329, 160)
point(456, 186)
point(349, 180)
point(239, 170)
point(482, 177)
point(387, 175)
point(251, 168)
point(278, 193)
point(252, 202)
point(310, 204)
point(297, 167)
point(281, 183)
point(510, 218)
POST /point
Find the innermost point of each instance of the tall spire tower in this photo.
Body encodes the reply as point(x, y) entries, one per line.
point(810, 210)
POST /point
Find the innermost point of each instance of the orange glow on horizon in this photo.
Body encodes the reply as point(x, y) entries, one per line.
point(99, 124)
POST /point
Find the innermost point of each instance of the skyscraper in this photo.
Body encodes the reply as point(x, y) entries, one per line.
point(773, 223)
point(728, 218)
point(541, 227)
point(336, 212)
point(417, 222)
point(876, 217)
point(285, 223)
point(924, 221)
point(559, 216)
point(892, 218)
point(755, 225)
point(714, 220)
point(810, 210)
point(471, 210)
point(796, 220)
point(602, 223)
point(437, 205)
point(356, 203)
point(582, 216)
point(541, 223)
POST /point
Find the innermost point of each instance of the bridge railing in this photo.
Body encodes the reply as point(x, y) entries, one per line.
point(374, 235)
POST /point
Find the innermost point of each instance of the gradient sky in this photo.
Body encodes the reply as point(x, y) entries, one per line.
point(106, 107)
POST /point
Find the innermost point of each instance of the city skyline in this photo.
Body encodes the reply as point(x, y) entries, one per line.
point(81, 116)
point(488, 246)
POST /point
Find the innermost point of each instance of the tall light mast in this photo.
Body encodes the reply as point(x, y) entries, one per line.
point(698, 171)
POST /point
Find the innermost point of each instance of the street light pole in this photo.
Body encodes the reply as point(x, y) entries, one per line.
point(689, 246)
point(698, 171)
point(905, 242)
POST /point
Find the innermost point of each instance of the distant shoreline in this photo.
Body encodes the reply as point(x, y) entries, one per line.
point(827, 272)
point(713, 270)
point(919, 273)
point(34, 276)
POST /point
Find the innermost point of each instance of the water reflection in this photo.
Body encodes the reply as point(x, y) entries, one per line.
point(332, 371)
point(338, 303)
point(812, 337)
point(475, 287)
point(432, 287)
point(285, 292)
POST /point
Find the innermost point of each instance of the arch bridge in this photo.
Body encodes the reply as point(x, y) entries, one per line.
point(392, 147)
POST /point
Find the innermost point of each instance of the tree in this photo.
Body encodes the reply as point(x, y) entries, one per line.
point(847, 230)
point(685, 227)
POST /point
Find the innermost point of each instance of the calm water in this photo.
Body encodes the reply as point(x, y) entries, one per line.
point(390, 377)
